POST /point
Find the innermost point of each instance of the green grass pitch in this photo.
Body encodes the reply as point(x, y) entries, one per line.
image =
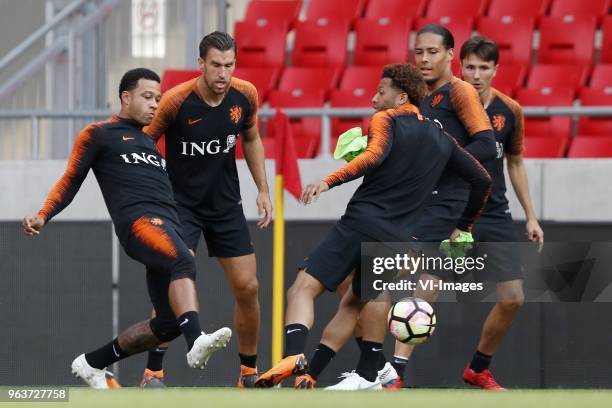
point(231, 397)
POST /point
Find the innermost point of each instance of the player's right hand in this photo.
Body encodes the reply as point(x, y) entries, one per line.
point(32, 224)
point(312, 192)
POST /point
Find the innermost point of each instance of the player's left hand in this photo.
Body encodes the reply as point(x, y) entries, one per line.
point(32, 224)
point(313, 191)
point(264, 209)
point(534, 233)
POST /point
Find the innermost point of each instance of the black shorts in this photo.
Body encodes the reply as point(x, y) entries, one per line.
point(225, 237)
point(503, 262)
point(336, 257)
point(438, 220)
point(157, 243)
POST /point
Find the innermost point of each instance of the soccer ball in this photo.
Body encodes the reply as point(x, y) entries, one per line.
point(412, 320)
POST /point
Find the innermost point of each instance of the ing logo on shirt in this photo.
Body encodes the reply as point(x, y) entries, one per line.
point(436, 100)
point(499, 121)
point(235, 113)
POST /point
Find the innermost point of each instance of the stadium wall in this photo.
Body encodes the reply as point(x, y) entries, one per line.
point(56, 302)
point(576, 190)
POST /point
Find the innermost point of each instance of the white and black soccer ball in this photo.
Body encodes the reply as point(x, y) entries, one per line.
point(412, 320)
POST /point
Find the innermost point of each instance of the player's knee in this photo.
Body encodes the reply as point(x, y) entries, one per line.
point(512, 302)
point(183, 267)
point(165, 328)
point(247, 291)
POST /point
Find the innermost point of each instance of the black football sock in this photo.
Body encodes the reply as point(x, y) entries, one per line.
point(382, 360)
point(368, 360)
point(295, 339)
point(106, 355)
point(155, 358)
point(400, 364)
point(480, 362)
point(359, 341)
point(189, 323)
point(248, 360)
point(322, 356)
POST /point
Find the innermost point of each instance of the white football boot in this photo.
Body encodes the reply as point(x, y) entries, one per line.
point(94, 377)
point(387, 374)
point(353, 382)
point(205, 345)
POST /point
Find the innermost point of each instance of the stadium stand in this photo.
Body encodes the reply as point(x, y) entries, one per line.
point(400, 10)
point(273, 11)
point(510, 77)
point(553, 76)
point(518, 8)
point(346, 10)
point(555, 126)
point(545, 147)
point(606, 41)
point(381, 41)
point(513, 35)
point(454, 9)
point(567, 41)
point(570, 9)
point(591, 147)
point(261, 45)
point(320, 43)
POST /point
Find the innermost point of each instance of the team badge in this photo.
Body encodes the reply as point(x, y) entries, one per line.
point(235, 113)
point(156, 221)
point(436, 100)
point(499, 121)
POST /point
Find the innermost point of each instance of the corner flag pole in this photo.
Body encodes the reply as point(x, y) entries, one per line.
point(278, 279)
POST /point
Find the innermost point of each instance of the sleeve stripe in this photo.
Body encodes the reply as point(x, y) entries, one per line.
point(378, 140)
point(516, 143)
point(168, 108)
point(57, 193)
point(468, 107)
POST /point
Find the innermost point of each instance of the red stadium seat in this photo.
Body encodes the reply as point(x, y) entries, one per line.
point(260, 45)
point(513, 35)
point(545, 147)
point(381, 42)
point(555, 126)
point(306, 131)
point(591, 147)
point(455, 9)
point(173, 77)
point(544, 76)
point(566, 42)
point(320, 44)
point(346, 99)
point(595, 126)
point(518, 8)
point(460, 27)
point(357, 88)
point(606, 43)
point(579, 8)
point(264, 79)
point(602, 77)
point(302, 79)
point(401, 10)
point(510, 77)
point(273, 11)
point(346, 10)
